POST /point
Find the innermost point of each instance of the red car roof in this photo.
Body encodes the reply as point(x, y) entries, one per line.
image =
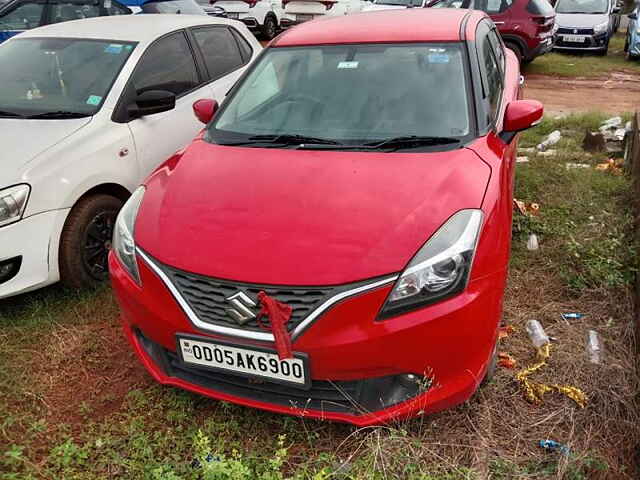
point(386, 26)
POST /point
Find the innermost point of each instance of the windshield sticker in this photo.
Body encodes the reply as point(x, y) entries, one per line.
point(114, 48)
point(94, 100)
point(438, 58)
point(348, 65)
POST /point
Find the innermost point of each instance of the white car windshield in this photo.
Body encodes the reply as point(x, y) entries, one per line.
point(350, 94)
point(582, 6)
point(58, 77)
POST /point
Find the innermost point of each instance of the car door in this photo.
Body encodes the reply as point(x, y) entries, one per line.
point(21, 16)
point(169, 65)
point(223, 53)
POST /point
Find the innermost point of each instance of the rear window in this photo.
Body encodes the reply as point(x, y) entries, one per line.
point(540, 7)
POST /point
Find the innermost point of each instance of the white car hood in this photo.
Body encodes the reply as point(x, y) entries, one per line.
point(580, 20)
point(374, 7)
point(23, 140)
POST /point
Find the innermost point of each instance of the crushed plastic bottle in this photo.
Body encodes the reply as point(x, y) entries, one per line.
point(553, 446)
point(536, 333)
point(553, 138)
point(594, 347)
point(532, 242)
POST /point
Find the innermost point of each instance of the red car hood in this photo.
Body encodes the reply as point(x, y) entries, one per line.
point(296, 217)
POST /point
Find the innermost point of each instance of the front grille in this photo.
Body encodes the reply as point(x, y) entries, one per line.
point(208, 298)
point(575, 31)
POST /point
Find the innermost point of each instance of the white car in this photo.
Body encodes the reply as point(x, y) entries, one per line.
point(393, 5)
point(299, 11)
point(88, 109)
point(260, 16)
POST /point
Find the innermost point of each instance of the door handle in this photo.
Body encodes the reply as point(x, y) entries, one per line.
point(498, 23)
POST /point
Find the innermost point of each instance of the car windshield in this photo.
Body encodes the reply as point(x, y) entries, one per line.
point(61, 77)
point(582, 6)
point(350, 94)
point(404, 3)
point(186, 7)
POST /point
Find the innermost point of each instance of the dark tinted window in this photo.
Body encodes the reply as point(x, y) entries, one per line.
point(540, 7)
point(167, 65)
point(245, 49)
point(66, 11)
point(493, 6)
point(220, 50)
point(25, 16)
point(498, 47)
point(491, 71)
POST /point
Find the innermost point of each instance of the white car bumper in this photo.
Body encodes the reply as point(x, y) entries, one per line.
point(35, 239)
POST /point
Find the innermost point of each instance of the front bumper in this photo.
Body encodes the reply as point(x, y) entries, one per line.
point(291, 20)
point(543, 47)
point(593, 43)
point(35, 239)
point(351, 355)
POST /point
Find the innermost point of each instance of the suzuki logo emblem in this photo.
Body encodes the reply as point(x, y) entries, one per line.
point(241, 308)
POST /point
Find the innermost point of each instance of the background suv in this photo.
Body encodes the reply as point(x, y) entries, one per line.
point(586, 24)
point(526, 26)
point(261, 16)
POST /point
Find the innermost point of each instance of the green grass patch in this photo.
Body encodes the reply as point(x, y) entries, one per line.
point(584, 64)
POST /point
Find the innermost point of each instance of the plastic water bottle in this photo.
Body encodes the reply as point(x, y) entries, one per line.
point(532, 242)
point(594, 347)
point(553, 138)
point(536, 333)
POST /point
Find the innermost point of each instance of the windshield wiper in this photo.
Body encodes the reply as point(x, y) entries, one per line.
point(5, 113)
point(59, 114)
point(410, 141)
point(284, 139)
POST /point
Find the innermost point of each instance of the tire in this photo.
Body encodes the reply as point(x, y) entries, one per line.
point(270, 27)
point(491, 369)
point(605, 51)
point(516, 49)
point(86, 240)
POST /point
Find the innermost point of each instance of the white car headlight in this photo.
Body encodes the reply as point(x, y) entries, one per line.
point(13, 202)
point(601, 28)
point(124, 244)
point(440, 268)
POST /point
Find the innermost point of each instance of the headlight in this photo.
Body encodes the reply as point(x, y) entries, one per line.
point(603, 27)
point(124, 244)
point(13, 201)
point(440, 268)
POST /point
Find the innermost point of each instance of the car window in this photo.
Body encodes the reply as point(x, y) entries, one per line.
point(491, 72)
point(351, 93)
point(493, 6)
point(453, 4)
point(66, 11)
point(540, 7)
point(245, 49)
point(114, 8)
point(25, 16)
point(219, 49)
point(167, 65)
point(498, 48)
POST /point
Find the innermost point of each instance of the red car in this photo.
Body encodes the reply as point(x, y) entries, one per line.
point(335, 242)
point(527, 26)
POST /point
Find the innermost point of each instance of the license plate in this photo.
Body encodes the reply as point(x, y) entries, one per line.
point(574, 38)
point(304, 17)
point(234, 16)
point(254, 362)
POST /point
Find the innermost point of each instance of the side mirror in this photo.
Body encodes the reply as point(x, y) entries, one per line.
point(152, 102)
point(633, 16)
point(204, 109)
point(520, 115)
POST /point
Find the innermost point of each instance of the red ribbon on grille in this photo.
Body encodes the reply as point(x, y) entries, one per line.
point(279, 314)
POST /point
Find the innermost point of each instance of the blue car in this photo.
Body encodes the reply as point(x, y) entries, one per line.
point(632, 45)
point(19, 15)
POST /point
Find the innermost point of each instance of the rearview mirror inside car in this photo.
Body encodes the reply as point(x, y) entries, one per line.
point(152, 102)
point(204, 109)
point(520, 115)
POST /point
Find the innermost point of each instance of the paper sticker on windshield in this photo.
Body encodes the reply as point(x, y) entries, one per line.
point(114, 48)
point(94, 100)
point(438, 58)
point(348, 65)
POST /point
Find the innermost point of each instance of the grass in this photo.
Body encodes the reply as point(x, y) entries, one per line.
point(584, 64)
point(75, 403)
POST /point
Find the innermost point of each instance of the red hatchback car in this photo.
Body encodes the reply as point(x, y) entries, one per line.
point(335, 243)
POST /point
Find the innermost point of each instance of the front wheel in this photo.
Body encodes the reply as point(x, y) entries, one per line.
point(516, 49)
point(86, 241)
point(270, 28)
point(605, 51)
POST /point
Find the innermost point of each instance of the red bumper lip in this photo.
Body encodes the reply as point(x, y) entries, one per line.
point(453, 340)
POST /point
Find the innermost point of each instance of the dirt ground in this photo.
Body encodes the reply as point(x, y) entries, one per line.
point(613, 93)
